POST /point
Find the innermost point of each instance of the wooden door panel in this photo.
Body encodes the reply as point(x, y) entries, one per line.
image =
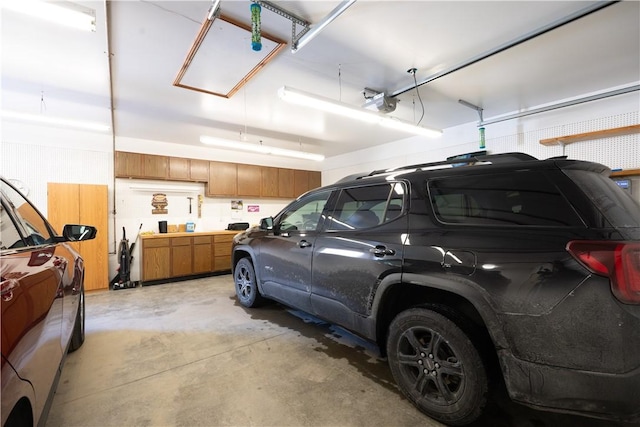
point(83, 204)
point(93, 211)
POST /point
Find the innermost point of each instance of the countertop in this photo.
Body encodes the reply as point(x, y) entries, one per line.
point(190, 234)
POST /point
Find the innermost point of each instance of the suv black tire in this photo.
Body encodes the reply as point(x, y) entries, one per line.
point(246, 285)
point(436, 366)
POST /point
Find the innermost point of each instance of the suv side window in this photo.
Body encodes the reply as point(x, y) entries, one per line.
point(364, 207)
point(306, 214)
point(518, 198)
point(31, 224)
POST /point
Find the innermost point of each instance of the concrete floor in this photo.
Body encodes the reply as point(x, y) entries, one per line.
point(187, 354)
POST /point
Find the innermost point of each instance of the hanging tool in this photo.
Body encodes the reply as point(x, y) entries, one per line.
point(480, 122)
point(190, 198)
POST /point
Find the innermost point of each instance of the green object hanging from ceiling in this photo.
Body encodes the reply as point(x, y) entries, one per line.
point(256, 40)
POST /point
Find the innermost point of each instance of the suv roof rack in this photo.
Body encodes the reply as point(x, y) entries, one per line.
point(485, 158)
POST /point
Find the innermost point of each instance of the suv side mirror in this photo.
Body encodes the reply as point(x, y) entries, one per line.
point(78, 232)
point(266, 223)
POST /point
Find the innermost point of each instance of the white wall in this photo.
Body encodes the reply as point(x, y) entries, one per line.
point(133, 207)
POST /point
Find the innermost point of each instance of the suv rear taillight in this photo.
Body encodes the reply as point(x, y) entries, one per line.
point(619, 261)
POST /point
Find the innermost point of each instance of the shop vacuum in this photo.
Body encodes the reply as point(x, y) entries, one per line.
point(122, 279)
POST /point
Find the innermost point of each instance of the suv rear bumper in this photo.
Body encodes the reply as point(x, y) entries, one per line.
point(592, 394)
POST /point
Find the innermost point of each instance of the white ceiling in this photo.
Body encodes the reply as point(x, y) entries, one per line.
point(372, 44)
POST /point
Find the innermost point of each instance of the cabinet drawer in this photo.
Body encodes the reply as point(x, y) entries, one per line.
point(156, 243)
point(222, 249)
point(223, 238)
point(202, 240)
point(181, 241)
point(222, 263)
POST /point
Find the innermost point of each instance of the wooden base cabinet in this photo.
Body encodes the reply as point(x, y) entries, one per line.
point(181, 256)
point(175, 255)
point(156, 257)
point(222, 251)
point(202, 254)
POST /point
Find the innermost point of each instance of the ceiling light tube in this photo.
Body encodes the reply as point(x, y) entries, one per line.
point(314, 30)
point(63, 13)
point(57, 121)
point(306, 99)
point(397, 124)
point(259, 148)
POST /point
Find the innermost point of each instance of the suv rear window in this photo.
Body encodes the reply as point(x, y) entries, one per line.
point(617, 206)
point(522, 198)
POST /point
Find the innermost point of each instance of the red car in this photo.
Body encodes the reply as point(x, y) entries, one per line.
point(42, 298)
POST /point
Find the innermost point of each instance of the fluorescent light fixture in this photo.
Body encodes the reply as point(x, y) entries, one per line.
point(57, 121)
point(306, 99)
point(60, 12)
point(259, 148)
point(397, 124)
point(314, 30)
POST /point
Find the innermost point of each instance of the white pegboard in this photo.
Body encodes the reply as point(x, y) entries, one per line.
point(36, 165)
point(619, 152)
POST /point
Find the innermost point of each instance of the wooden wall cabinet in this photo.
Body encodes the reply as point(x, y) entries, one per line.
point(129, 165)
point(249, 180)
point(269, 182)
point(286, 184)
point(315, 180)
point(304, 181)
point(198, 170)
point(223, 179)
point(179, 169)
point(155, 167)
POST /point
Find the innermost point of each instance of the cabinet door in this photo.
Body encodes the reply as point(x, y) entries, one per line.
point(181, 256)
point(249, 179)
point(129, 165)
point(202, 254)
point(300, 182)
point(315, 180)
point(269, 182)
point(285, 183)
point(178, 168)
point(83, 204)
point(155, 166)
point(198, 170)
point(93, 211)
point(222, 179)
point(156, 256)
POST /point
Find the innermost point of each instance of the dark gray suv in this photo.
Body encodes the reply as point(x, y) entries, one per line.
point(467, 271)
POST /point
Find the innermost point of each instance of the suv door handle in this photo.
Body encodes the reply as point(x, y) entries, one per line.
point(382, 251)
point(304, 244)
